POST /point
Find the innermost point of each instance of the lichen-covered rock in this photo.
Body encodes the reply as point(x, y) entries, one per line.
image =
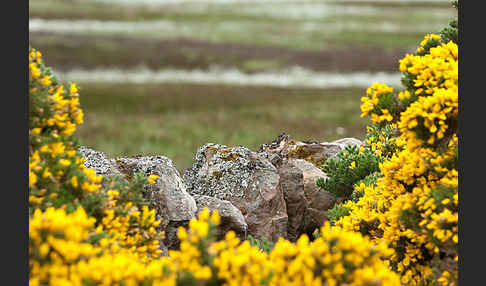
point(231, 216)
point(249, 181)
point(168, 196)
point(100, 164)
point(317, 202)
point(316, 153)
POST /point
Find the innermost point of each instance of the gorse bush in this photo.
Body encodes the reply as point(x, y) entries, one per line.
point(73, 218)
point(412, 204)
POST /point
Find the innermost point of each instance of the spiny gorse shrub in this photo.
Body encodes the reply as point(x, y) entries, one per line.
point(350, 166)
point(82, 233)
point(413, 206)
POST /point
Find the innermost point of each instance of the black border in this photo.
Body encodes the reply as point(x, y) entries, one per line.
point(470, 205)
point(15, 139)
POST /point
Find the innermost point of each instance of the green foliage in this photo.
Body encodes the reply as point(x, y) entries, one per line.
point(351, 166)
point(450, 33)
point(263, 244)
point(369, 180)
point(338, 211)
point(455, 3)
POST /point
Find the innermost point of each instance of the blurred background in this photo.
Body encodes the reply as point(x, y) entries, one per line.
point(167, 76)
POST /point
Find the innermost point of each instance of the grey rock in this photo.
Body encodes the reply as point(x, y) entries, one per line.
point(231, 217)
point(100, 164)
point(348, 142)
point(168, 195)
point(165, 250)
point(249, 181)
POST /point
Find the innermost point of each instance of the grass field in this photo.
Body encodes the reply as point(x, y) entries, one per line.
point(174, 119)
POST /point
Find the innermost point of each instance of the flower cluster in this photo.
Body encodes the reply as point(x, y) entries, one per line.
point(436, 68)
point(56, 173)
point(133, 229)
point(67, 249)
point(383, 140)
point(55, 110)
point(193, 258)
point(413, 206)
point(433, 67)
point(338, 257)
point(430, 120)
point(379, 103)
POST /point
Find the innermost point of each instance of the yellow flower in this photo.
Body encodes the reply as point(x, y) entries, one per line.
point(64, 162)
point(46, 80)
point(152, 179)
point(73, 89)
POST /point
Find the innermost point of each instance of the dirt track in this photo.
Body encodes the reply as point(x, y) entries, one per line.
point(123, 52)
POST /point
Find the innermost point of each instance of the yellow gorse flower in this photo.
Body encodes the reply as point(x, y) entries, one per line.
point(413, 207)
point(152, 179)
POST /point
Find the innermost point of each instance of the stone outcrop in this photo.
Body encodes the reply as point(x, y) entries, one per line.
point(307, 207)
point(249, 181)
point(271, 193)
point(314, 152)
point(100, 164)
point(318, 202)
point(168, 196)
point(292, 185)
point(231, 217)
point(299, 166)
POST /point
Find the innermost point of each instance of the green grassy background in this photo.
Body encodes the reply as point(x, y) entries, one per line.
point(175, 119)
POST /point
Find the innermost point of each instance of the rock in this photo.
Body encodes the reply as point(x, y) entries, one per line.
point(231, 217)
point(100, 164)
point(292, 185)
point(298, 164)
point(249, 181)
point(317, 202)
point(307, 207)
point(165, 250)
point(348, 142)
point(168, 195)
point(314, 152)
